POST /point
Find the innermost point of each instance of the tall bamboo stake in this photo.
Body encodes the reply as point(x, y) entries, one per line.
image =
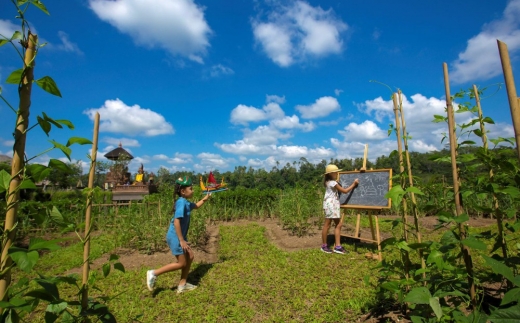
point(86, 238)
point(18, 161)
point(401, 162)
point(514, 101)
point(455, 173)
point(410, 182)
point(500, 224)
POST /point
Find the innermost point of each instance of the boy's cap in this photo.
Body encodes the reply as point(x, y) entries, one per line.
point(332, 169)
point(184, 181)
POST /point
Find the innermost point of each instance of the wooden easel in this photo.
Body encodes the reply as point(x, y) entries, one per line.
point(372, 217)
point(376, 236)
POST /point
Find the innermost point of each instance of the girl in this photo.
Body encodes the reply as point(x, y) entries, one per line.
point(331, 207)
point(176, 236)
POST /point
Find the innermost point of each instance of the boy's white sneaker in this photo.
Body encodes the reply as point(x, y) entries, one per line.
point(186, 287)
point(150, 280)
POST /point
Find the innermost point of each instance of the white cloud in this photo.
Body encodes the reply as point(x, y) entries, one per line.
point(337, 92)
point(418, 114)
point(177, 26)
point(7, 143)
point(177, 159)
point(243, 114)
point(66, 45)
point(7, 28)
point(367, 131)
point(209, 161)
point(117, 117)
point(160, 157)
point(321, 108)
point(125, 142)
point(293, 123)
point(275, 99)
point(298, 32)
point(263, 135)
point(480, 60)
point(219, 69)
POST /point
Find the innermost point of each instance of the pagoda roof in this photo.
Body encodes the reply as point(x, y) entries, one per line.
point(116, 153)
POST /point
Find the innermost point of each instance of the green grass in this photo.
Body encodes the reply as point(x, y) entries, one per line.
point(253, 281)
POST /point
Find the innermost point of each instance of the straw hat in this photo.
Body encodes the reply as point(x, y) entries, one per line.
point(332, 169)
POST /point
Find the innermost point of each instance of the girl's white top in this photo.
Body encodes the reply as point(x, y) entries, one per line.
point(331, 193)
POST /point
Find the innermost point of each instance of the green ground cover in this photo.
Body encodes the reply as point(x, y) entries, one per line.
point(253, 281)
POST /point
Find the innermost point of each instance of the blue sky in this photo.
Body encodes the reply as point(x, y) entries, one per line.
point(205, 85)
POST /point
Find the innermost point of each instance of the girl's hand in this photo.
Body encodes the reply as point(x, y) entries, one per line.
point(205, 198)
point(356, 182)
point(184, 245)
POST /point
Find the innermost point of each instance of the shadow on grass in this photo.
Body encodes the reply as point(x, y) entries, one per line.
point(194, 277)
point(357, 243)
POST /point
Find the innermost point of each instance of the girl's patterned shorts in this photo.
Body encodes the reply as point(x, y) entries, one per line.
point(332, 209)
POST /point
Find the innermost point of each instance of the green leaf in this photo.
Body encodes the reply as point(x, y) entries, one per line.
point(392, 286)
point(38, 172)
point(512, 295)
point(66, 123)
point(461, 218)
point(474, 243)
point(66, 150)
point(49, 287)
point(15, 77)
point(415, 190)
point(449, 237)
point(24, 259)
point(119, 266)
point(488, 120)
point(403, 245)
point(506, 315)
point(57, 308)
point(78, 140)
point(5, 178)
point(16, 35)
point(44, 124)
point(40, 294)
point(48, 85)
point(59, 165)
point(56, 215)
point(437, 118)
point(41, 244)
point(27, 184)
point(106, 269)
point(113, 256)
point(436, 307)
point(38, 4)
point(436, 257)
point(500, 268)
point(512, 191)
point(418, 295)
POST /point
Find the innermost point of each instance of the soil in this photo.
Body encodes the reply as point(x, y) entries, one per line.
point(207, 252)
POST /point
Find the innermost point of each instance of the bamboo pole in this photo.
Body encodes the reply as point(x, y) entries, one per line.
point(455, 173)
point(500, 224)
point(18, 161)
point(401, 163)
point(86, 246)
point(410, 181)
point(514, 101)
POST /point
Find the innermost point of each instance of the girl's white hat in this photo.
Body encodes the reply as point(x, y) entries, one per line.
point(332, 169)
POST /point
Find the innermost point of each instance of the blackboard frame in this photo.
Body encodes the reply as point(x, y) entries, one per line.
point(348, 178)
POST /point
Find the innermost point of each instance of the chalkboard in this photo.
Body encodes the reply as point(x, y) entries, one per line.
point(370, 192)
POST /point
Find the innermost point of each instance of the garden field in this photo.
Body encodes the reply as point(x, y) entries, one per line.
point(247, 269)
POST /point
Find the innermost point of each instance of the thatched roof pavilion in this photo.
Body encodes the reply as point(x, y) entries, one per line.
point(118, 152)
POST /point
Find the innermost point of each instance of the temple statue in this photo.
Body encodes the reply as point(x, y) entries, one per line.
point(139, 177)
